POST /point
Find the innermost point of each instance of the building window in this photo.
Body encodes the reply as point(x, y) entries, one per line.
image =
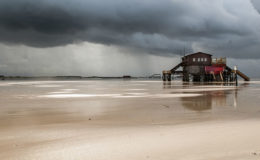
point(194, 59)
point(202, 59)
point(205, 59)
point(198, 59)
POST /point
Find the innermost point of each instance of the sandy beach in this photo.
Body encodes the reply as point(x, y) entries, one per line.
point(135, 119)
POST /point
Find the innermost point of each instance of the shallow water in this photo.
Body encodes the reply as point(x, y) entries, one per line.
point(40, 113)
point(33, 102)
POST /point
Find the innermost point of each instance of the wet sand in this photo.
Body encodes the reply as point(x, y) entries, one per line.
point(134, 119)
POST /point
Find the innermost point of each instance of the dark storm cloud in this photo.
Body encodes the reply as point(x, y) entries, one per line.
point(165, 26)
point(256, 4)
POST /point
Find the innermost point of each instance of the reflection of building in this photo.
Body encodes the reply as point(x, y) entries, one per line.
point(205, 102)
point(209, 99)
point(197, 103)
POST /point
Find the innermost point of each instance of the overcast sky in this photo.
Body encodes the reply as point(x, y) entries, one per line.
point(118, 37)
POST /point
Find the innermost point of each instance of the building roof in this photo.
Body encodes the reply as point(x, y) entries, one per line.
point(198, 53)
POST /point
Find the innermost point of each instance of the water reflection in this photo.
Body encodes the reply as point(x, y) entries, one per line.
point(167, 84)
point(213, 95)
point(145, 104)
point(205, 102)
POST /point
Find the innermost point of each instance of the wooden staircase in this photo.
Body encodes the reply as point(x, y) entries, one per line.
point(173, 70)
point(242, 75)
